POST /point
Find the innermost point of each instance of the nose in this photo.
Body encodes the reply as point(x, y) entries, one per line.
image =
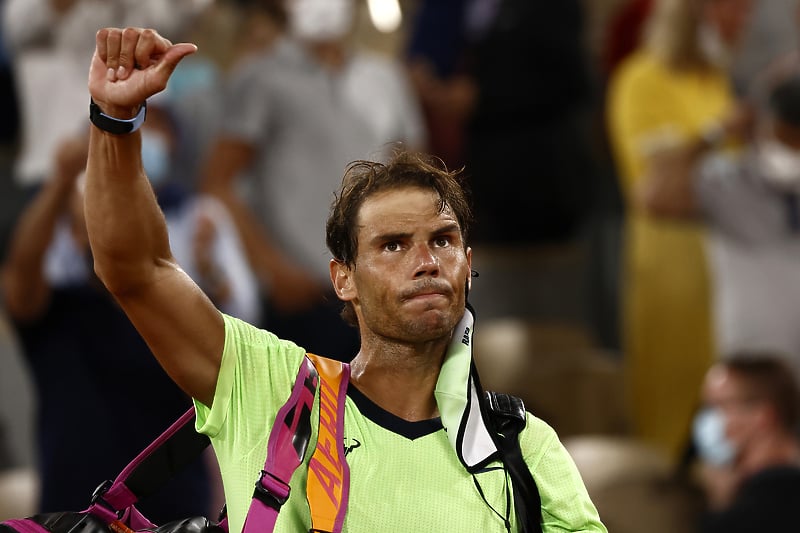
point(427, 263)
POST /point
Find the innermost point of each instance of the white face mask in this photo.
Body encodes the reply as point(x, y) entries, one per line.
point(155, 157)
point(779, 165)
point(708, 431)
point(320, 20)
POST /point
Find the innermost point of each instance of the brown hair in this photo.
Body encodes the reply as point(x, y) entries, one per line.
point(772, 380)
point(362, 179)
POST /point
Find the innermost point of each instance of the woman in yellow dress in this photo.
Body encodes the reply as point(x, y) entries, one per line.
point(672, 91)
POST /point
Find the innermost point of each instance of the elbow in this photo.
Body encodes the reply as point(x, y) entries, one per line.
point(665, 204)
point(117, 276)
point(24, 302)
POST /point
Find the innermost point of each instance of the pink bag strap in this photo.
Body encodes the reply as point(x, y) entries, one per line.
point(286, 449)
point(175, 448)
point(328, 477)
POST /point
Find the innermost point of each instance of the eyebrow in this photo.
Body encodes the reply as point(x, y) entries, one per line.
point(397, 236)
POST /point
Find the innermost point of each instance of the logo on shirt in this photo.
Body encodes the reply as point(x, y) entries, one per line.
point(350, 445)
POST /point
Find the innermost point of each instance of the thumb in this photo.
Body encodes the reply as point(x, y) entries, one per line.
point(174, 55)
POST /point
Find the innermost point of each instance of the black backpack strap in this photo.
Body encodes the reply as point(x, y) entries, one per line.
point(509, 419)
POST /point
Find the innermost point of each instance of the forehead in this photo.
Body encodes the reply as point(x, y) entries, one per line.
point(402, 206)
point(723, 384)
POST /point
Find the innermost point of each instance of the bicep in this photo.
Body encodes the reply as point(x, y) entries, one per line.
point(183, 329)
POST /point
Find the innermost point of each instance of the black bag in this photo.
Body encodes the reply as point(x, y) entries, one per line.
point(112, 506)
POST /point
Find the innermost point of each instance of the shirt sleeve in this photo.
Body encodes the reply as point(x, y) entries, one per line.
point(566, 506)
point(256, 376)
point(248, 106)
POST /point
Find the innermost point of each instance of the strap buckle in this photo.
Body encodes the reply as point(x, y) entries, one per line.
point(271, 491)
point(99, 492)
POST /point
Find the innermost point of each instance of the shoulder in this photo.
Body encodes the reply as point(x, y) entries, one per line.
point(640, 68)
point(772, 481)
point(537, 439)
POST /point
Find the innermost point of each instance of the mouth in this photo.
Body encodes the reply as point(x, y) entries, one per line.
point(427, 292)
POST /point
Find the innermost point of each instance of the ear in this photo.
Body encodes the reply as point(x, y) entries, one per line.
point(469, 268)
point(342, 279)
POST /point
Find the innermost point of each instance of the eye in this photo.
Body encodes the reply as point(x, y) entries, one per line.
point(391, 246)
point(442, 241)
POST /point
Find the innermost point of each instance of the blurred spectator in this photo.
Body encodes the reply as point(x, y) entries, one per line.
point(296, 114)
point(436, 63)
point(674, 90)
point(50, 42)
point(772, 32)
point(85, 357)
point(746, 436)
point(750, 201)
point(623, 35)
point(507, 90)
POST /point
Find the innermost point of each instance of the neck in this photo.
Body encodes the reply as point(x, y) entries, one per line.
point(399, 378)
point(330, 54)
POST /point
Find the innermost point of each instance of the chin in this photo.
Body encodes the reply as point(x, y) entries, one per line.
point(433, 324)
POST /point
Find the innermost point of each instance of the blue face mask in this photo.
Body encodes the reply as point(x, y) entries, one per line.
point(708, 430)
point(155, 157)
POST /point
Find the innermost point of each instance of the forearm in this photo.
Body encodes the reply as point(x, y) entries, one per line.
point(227, 160)
point(667, 189)
point(127, 230)
point(25, 288)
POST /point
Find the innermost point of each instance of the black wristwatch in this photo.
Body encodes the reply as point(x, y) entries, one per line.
point(116, 125)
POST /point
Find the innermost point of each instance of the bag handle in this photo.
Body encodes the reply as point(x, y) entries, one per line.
point(167, 455)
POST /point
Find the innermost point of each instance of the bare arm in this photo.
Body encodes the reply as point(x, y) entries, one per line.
point(25, 289)
point(667, 189)
point(127, 231)
point(290, 288)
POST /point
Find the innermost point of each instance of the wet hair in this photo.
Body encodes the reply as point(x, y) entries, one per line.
point(362, 179)
point(769, 379)
point(784, 100)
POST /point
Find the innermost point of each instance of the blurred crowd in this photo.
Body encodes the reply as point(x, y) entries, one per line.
point(635, 171)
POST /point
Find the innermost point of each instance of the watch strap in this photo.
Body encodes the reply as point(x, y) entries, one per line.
point(117, 126)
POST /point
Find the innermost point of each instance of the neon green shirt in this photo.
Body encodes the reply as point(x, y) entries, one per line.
point(404, 476)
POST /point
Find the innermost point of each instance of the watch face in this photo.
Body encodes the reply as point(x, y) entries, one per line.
point(116, 125)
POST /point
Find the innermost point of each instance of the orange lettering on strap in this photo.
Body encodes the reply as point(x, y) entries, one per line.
point(327, 475)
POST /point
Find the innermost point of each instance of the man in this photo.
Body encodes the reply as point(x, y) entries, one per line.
point(303, 105)
point(401, 265)
point(747, 441)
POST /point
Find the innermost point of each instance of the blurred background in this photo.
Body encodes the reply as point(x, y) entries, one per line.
point(600, 313)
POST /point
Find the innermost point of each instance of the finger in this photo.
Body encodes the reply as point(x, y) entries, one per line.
point(174, 55)
point(113, 44)
point(130, 39)
point(149, 48)
point(101, 44)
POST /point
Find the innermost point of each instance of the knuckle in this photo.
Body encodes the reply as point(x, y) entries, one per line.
point(130, 33)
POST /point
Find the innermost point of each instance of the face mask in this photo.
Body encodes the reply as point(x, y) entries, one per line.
point(155, 157)
point(708, 431)
point(320, 20)
point(779, 165)
point(713, 47)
